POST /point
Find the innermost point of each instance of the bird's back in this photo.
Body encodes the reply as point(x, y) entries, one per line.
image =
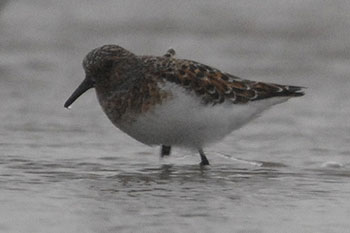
point(213, 85)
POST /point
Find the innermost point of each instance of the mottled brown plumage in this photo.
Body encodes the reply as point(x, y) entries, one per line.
point(213, 85)
point(141, 95)
point(115, 68)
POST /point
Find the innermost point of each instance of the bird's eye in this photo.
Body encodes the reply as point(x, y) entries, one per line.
point(108, 64)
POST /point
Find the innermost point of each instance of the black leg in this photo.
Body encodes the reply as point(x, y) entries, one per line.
point(204, 160)
point(165, 151)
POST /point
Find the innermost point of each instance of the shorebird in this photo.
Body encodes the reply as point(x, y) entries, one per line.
point(162, 100)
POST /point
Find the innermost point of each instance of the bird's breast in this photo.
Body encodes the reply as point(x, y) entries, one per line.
point(125, 106)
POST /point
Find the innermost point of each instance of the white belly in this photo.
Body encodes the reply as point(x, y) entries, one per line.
point(184, 121)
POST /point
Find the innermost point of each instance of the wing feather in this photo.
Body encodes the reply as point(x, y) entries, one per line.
point(214, 86)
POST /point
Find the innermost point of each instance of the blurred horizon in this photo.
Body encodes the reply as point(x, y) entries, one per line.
point(301, 43)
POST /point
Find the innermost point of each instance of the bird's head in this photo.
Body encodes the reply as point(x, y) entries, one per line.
point(98, 64)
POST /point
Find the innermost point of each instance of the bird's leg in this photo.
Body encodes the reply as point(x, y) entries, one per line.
point(204, 160)
point(165, 151)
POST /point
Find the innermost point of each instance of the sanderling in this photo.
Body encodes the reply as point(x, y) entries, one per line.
point(162, 100)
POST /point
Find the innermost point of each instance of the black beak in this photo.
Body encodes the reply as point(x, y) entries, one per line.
point(83, 87)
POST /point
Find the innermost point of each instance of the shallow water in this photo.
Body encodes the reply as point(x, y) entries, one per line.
point(70, 171)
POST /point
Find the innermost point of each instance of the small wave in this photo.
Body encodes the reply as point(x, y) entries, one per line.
point(332, 164)
point(256, 163)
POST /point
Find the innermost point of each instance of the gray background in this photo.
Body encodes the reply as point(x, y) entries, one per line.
point(70, 171)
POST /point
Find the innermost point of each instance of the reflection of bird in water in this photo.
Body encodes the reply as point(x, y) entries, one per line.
point(161, 100)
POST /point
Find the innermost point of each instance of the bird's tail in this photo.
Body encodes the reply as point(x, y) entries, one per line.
point(269, 90)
